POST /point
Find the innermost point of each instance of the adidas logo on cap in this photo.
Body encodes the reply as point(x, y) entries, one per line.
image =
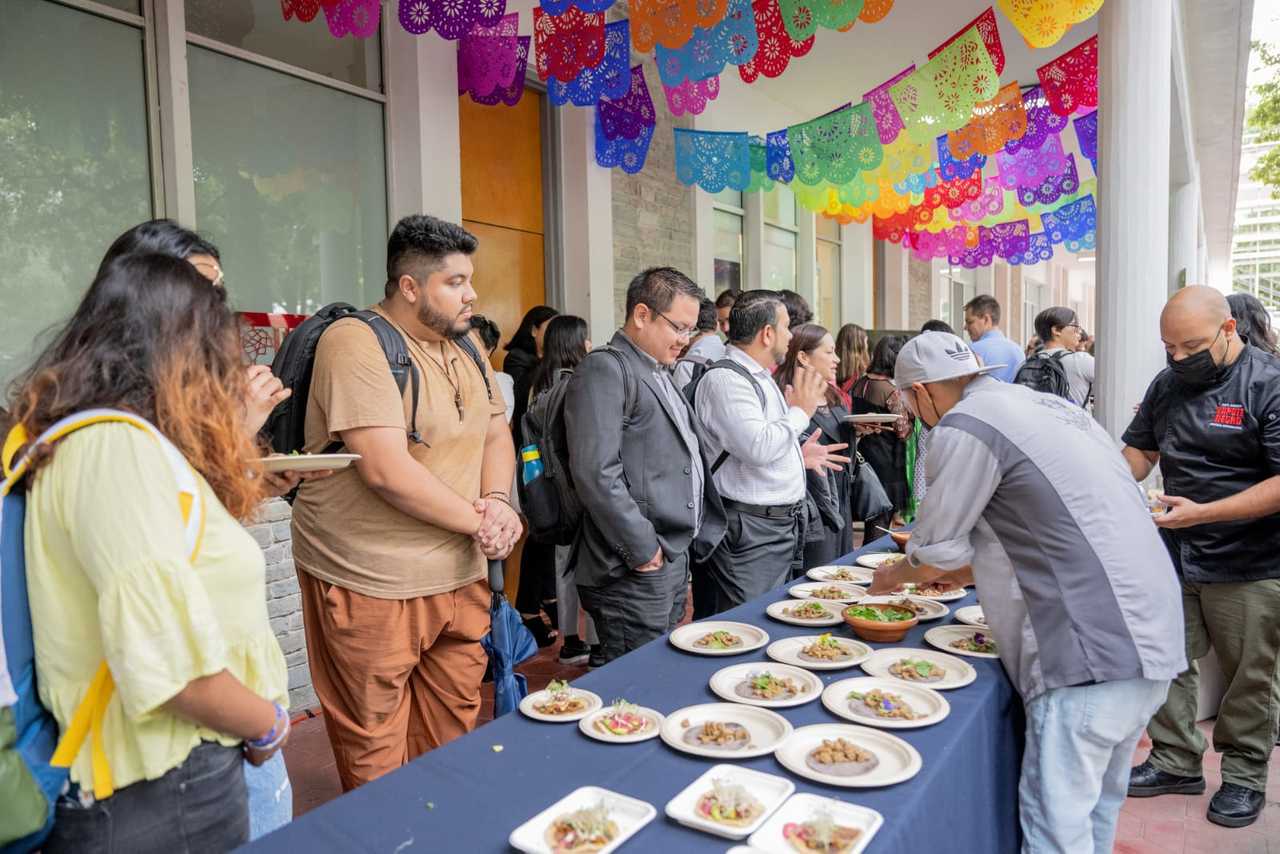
point(959, 353)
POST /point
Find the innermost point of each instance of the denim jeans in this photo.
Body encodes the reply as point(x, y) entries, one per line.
point(199, 806)
point(1075, 769)
point(270, 796)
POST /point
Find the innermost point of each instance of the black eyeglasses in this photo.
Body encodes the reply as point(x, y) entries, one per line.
point(681, 331)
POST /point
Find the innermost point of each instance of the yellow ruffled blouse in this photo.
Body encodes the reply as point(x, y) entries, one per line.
point(108, 576)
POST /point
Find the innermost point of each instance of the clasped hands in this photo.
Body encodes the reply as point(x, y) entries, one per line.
point(500, 526)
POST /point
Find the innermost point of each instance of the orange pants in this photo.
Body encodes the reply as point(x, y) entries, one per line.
point(395, 677)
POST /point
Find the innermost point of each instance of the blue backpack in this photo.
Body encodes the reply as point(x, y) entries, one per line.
point(33, 759)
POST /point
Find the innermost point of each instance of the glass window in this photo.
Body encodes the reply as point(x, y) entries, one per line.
point(290, 182)
point(729, 198)
point(258, 27)
point(779, 259)
point(828, 264)
point(728, 250)
point(780, 206)
point(827, 228)
point(134, 6)
point(73, 161)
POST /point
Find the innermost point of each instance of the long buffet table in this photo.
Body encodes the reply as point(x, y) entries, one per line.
point(469, 795)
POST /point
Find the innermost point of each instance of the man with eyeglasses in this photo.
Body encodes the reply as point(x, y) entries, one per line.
point(1060, 331)
point(638, 461)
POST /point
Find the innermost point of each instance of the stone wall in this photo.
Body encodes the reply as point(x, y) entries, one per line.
point(919, 291)
point(284, 603)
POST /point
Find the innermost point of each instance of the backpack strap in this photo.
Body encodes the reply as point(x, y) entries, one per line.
point(730, 364)
point(86, 721)
point(628, 381)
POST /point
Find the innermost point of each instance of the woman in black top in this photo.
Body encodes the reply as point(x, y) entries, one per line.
point(524, 351)
point(886, 450)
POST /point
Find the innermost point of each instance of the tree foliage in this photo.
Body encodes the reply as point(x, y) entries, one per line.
point(1264, 120)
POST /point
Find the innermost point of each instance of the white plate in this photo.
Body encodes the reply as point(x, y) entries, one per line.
point(725, 681)
point(787, 651)
point(959, 673)
point(769, 789)
point(629, 814)
point(685, 637)
point(853, 593)
point(307, 462)
point(926, 702)
point(526, 706)
point(873, 561)
point(587, 725)
point(861, 575)
point(777, 610)
point(767, 729)
point(801, 808)
point(872, 418)
point(971, 615)
point(942, 636)
point(899, 761)
point(936, 611)
point(949, 596)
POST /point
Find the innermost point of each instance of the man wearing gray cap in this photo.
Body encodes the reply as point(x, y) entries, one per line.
point(1031, 499)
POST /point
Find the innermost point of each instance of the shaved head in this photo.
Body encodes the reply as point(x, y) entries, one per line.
point(1193, 318)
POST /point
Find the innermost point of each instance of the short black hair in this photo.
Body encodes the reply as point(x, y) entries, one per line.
point(937, 326)
point(488, 331)
point(1054, 317)
point(984, 305)
point(160, 237)
point(753, 311)
point(420, 240)
point(657, 287)
point(798, 311)
point(885, 356)
point(707, 320)
point(726, 299)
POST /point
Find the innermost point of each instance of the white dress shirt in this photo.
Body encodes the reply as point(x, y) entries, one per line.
point(764, 465)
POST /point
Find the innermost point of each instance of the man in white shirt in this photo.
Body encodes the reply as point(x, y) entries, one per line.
point(753, 431)
point(704, 349)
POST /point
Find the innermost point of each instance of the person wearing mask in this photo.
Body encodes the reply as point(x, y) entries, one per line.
point(798, 310)
point(1029, 499)
point(640, 467)
point(1253, 322)
point(1060, 332)
point(200, 683)
point(753, 429)
point(982, 323)
point(392, 553)
point(724, 305)
point(705, 348)
point(1211, 421)
point(564, 345)
point(886, 450)
point(853, 347)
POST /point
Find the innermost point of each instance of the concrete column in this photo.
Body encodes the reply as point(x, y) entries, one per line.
point(1134, 75)
point(896, 308)
point(753, 241)
point(586, 201)
point(177, 160)
point(857, 250)
point(1184, 235)
point(807, 257)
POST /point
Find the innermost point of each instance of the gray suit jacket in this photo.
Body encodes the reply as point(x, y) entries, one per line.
point(632, 471)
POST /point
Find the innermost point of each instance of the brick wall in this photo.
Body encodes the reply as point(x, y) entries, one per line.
point(284, 604)
point(652, 211)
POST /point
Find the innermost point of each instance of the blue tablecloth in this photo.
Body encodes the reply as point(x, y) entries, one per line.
point(467, 797)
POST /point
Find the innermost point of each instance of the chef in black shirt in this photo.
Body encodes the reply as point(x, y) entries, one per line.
point(1211, 420)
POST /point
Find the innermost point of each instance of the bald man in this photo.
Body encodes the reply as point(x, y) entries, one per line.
point(1211, 420)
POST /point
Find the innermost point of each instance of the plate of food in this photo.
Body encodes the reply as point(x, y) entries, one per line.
point(725, 730)
point(971, 615)
point(729, 801)
point(925, 609)
point(878, 559)
point(935, 670)
point(812, 824)
point(559, 703)
point(847, 755)
point(829, 591)
point(930, 591)
point(871, 701)
point(872, 418)
point(307, 462)
point(770, 685)
point(805, 612)
point(718, 637)
point(965, 640)
point(622, 723)
point(819, 652)
point(589, 819)
point(849, 574)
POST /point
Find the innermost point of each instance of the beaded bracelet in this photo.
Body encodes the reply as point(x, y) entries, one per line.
point(275, 735)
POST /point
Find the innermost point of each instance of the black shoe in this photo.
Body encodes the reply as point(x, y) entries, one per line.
point(1236, 806)
point(1147, 781)
point(596, 658)
point(544, 636)
point(574, 651)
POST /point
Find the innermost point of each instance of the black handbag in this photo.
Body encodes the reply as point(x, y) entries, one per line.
point(869, 500)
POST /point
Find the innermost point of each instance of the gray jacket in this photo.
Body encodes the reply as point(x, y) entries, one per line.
point(633, 470)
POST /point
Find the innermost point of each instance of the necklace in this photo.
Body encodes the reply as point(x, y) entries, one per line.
point(443, 365)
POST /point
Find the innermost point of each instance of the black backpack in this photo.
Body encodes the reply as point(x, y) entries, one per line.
point(1044, 372)
point(295, 361)
point(690, 392)
point(550, 503)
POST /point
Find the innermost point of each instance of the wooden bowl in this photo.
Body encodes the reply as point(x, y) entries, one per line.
point(875, 630)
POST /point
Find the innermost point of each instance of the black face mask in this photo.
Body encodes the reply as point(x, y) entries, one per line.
point(1198, 371)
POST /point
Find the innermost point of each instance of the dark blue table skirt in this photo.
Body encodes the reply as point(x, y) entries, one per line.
point(964, 800)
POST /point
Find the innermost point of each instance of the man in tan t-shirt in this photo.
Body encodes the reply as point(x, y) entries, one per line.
point(392, 553)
